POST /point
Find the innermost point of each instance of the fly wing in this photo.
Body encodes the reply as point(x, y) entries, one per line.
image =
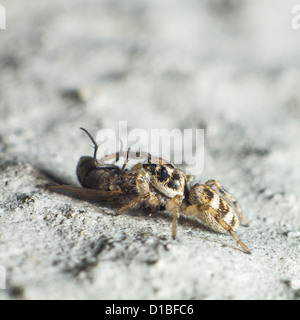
point(94, 195)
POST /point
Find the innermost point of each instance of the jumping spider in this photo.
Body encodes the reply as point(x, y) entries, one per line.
point(156, 185)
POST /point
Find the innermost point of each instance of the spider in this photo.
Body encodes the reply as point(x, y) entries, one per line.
point(156, 185)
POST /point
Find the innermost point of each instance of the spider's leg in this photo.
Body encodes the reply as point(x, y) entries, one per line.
point(212, 219)
point(134, 204)
point(229, 198)
point(213, 211)
point(174, 206)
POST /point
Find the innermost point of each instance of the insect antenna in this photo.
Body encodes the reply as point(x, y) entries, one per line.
point(149, 158)
point(119, 152)
point(126, 161)
point(94, 142)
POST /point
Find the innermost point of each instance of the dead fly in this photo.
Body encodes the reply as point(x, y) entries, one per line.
point(156, 185)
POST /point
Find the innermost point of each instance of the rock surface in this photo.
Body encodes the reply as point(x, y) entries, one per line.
point(229, 67)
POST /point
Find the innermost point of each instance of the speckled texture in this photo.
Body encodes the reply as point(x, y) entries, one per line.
point(229, 67)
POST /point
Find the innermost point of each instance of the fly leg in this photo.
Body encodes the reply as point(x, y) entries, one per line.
point(145, 195)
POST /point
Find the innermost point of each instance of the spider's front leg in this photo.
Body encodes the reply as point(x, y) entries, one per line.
point(228, 197)
point(174, 206)
point(145, 195)
point(213, 211)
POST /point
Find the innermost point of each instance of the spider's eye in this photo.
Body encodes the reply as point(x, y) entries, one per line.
point(163, 174)
point(152, 167)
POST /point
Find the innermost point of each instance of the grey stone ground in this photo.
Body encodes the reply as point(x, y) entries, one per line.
point(229, 67)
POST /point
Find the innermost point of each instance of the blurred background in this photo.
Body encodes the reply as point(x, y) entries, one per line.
point(227, 66)
point(170, 64)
